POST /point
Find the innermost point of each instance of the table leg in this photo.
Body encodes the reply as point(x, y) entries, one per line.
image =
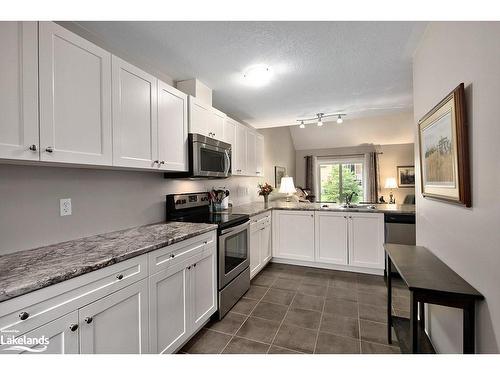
point(469, 328)
point(413, 323)
point(389, 301)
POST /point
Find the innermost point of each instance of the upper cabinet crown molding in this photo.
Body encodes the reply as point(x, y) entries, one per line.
point(19, 137)
point(75, 98)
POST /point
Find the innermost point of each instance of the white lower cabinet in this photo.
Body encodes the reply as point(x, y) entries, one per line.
point(260, 243)
point(293, 235)
point(349, 240)
point(117, 323)
point(182, 299)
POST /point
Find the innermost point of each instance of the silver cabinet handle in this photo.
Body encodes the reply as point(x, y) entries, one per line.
point(119, 277)
point(88, 319)
point(49, 149)
point(33, 148)
point(189, 267)
point(156, 161)
point(73, 327)
point(194, 265)
point(172, 256)
point(162, 162)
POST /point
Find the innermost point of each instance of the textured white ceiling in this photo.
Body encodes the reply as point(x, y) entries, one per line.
point(361, 68)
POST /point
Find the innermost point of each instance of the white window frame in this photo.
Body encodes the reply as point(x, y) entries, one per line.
point(340, 160)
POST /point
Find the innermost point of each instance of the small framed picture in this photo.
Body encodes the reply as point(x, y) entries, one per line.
point(406, 176)
point(278, 173)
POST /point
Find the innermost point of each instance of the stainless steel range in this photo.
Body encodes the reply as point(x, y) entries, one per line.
point(233, 243)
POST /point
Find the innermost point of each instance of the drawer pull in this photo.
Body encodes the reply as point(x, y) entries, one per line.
point(88, 319)
point(119, 277)
point(73, 327)
point(24, 315)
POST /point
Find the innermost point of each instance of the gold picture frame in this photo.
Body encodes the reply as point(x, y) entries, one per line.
point(444, 151)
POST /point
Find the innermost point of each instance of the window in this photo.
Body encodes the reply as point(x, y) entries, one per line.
point(336, 178)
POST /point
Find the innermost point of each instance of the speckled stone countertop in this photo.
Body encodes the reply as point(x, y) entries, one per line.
point(25, 271)
point(256, 208)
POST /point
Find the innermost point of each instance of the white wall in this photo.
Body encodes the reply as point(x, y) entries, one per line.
point(465, 239)
point(391, 157)
point(280, 150)
point(104, 200)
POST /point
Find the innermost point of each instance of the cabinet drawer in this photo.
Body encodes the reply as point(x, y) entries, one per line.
point(260, 218)
point(169, 256)
point(47, 304)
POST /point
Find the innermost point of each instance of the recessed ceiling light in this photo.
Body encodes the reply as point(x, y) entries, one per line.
point(340, 120)
point(258, 75)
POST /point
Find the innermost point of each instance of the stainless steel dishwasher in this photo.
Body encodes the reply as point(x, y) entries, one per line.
point(400, 228)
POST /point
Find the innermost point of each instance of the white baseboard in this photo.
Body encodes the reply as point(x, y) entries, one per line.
point(336, 267)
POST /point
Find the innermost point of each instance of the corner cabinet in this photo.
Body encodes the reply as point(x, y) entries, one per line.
point(248, 151)
point(293, 235)
point(19, 91)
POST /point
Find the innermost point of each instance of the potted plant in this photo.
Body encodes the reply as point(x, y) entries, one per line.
point(264, 190)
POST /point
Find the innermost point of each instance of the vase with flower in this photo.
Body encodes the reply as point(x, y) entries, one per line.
point(265, 189)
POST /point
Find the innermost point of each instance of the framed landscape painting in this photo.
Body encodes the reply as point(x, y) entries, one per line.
point(444, 151)
point(406, 176)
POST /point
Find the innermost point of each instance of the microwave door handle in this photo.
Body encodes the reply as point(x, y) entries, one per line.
point(228, 162)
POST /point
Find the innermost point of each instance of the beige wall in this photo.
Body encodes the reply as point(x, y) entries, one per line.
point(465, 239)
point(280, 150)
point(104, 200)
point(391, 157)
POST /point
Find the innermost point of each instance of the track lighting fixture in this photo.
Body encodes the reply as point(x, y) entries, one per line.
point(339, 120)
point(302, 125)
point(319, 119)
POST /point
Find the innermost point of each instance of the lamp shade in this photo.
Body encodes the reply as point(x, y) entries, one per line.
point(287, 185)
point(390, 183)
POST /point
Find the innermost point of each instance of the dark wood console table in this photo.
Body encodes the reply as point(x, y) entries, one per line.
point(429, 281)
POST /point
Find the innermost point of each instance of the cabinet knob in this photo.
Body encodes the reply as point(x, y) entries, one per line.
point(162, 162)
point(119, 277)
point(49, 149)
point(24, 315)
point(189, 267)
point(156, 161)
point(88, 319)
point(194, 265)
point(172, 255)
point(73, 327)
point(345, 217)
point(213, 135)
point(33, 148)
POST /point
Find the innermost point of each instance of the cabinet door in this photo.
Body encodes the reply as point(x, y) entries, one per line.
point(75, 98)
point(251, 156)
point(255, 249)
point(366, 240)
point(119, 322)
point(265, 243)
point(229, 129)
point(293, 233)
point(240, 150)
point(172, 128)
point(19, 91)
point(217, 120)
point(135, 125)
point(259, 155)
point(203, 286)
point(331, 237)
point(168, 309)
point(199, 117)
point(61, 334)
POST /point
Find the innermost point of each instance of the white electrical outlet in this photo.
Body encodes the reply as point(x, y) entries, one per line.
point(65, 206)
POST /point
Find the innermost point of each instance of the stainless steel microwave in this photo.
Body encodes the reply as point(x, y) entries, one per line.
point(208, 157)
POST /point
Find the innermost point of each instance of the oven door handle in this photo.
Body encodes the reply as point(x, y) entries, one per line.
point(237, 228)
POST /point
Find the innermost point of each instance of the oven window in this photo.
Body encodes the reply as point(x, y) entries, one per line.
point(211, 161)
point(235, 250)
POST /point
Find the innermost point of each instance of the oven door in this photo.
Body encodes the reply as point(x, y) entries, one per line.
point(234, 247)
point(211, 161)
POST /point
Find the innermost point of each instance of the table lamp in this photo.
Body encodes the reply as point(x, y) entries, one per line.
point(390, 183)
point(287, 187)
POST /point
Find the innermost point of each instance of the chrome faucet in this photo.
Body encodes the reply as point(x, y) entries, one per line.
point(348, 197)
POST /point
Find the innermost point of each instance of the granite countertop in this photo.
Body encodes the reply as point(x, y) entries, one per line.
point(25, 271)
point(256, 208)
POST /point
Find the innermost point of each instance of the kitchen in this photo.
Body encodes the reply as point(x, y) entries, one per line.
point(136, 196)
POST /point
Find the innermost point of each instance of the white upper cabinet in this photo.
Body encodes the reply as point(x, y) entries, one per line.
point(331, 237)
point(240, 150)
point(251, 159)
point(259, 155)
point(135, 108)
point(172, 128)
point(229, 130)
point(366, 240)
point(75, 98)
point(205, 120)
point(19, 91)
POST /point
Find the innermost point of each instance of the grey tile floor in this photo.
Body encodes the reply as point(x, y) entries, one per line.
point(292, 309)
